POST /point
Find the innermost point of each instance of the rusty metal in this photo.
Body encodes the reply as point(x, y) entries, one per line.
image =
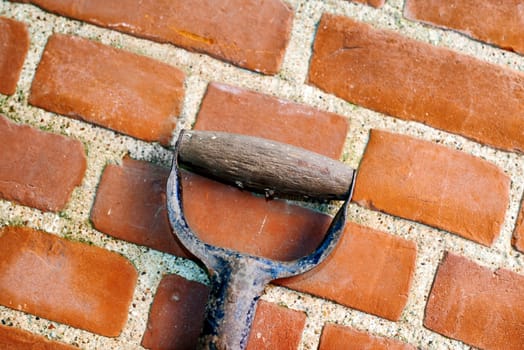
point(237, 279)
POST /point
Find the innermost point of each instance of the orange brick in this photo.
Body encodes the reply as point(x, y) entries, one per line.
point(276, 327)
point(231, 109)
point(130, 204)
point(505, 27)
point(38, 169)
point(116, 89)
point(438, 186)
point(17, 339)
point(340, 337)
point(374, 3)
point(228, 217)
point(518, 235)
point(69, 282)
point(480, 307)
point(177, 315)
point(392, 74)
point(272, 229)
point(14, 44)
point(254, 38)
point(369, 270)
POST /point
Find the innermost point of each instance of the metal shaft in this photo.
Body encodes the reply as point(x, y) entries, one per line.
point(235, 290)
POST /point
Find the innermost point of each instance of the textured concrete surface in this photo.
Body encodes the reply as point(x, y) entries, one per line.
point(104, 146)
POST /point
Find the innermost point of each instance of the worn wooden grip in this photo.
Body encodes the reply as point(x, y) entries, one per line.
point(263, 166)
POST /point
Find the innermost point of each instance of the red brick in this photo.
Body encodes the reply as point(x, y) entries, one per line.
point(177, 315)
point(369, 270)
point(374, 3)
point(276, 327)
point(518, 235)
point(215, 210)
point(432, 184)
point(130, 202)
point(231, 109)
point(340, 337)
point(16, 339)
point(254, 38)
point(131, 205)
point(480, 307)
point(116, 89)
point(389, 73)
point(228, 217)
point(38, 169)
point(495, 22)
point(69, 282)
point(14, 44)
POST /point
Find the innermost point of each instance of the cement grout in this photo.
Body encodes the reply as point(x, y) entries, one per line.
point(105, 146)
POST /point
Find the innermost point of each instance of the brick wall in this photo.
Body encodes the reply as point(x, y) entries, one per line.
point(425, 97)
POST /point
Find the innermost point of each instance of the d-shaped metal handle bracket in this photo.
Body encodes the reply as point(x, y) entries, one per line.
point(238, 280)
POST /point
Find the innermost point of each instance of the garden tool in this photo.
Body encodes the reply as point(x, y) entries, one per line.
point(260, 165)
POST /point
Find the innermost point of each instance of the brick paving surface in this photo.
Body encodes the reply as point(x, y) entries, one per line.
point(483, 308)
point(14, 42)
point(70, 282)
point(518, 237)
point(369, 270)
point(432, 184)
point(237, 31)
point(340, 337)
point(505, 27)
point(426, 98)
point(395, 75)
point(177, 314)
point(14, 338)
point(35, 169)
point(122, 91)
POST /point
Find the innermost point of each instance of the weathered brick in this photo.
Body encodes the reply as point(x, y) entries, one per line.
point(276, 327)
point(69, 282)
point(374, 3)
point(16, 339)
point(14, 44)
point(480, 307)
point(369, 270)
point(495, 22)
point(177, 315)
point(215, 210)
point(392, 74)
point(432, 184)
point(518, 235)
point(228, 217)
point(132, 94)
point(231, 109)
point(255, 37)
point(130, 204)
point(38, 169)
point(340, 337)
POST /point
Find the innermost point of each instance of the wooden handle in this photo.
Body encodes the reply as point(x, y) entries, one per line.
point(263, 166)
